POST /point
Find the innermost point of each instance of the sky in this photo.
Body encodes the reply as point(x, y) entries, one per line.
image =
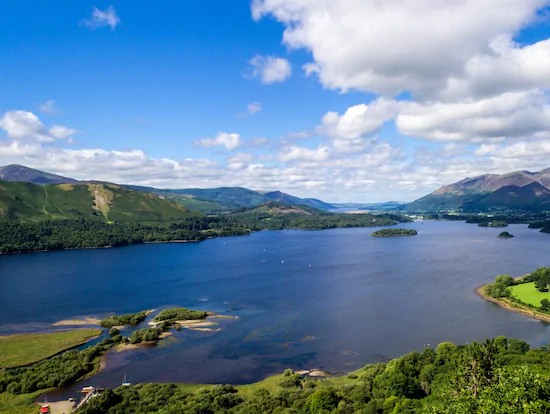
point(342, 100)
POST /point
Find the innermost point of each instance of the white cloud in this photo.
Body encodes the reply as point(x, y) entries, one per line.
point(62, 132)
point(270, 69)
point(21, 125)
point(509, 115)
point(295, 153)
point(398, 45)
point(359, 120)
point(252, 108)
point(102, 18)
point(229, 141)
point(509, 67)
point(48, 107)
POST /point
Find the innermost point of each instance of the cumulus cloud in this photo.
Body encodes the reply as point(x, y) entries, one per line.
point(102, 18)
point(509, 115)
point(226, 140)
point(359, 120)
point(400, 45)
point(296, 153)
point(270, 69)
point(20, 125)
point(61, 132)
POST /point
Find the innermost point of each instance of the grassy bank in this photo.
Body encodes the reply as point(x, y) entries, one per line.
point(528, 293)
point(18, 404)
point(25, 349)
point(512, 306)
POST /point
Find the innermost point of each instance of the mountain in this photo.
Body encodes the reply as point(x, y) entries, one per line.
point(520, 190)
point(222, 199)
point(209, 200)
point(106, 202)
point(21, 173)
point(288, 199)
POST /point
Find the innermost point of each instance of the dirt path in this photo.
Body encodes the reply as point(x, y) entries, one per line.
point(45, 201)
point(60, 407)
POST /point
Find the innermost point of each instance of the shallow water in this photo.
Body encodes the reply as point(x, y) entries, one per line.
point(333, 299)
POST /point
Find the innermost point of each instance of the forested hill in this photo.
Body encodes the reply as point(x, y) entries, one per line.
point(16, 236)
point(224, 199)
point(21, 201)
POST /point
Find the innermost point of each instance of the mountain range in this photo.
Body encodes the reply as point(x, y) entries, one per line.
point(516, 191)
point(33, 194)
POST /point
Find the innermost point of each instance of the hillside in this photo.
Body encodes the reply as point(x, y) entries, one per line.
point(224, 199)
point(516, 191)
point(207, 200)
point(21, 173)
point(107, 202)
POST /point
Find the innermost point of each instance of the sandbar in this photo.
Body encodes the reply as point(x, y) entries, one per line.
point(73, 322)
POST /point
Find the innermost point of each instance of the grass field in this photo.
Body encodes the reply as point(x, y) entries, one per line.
point(526, 292)
point(19, 404)
point(20, 350)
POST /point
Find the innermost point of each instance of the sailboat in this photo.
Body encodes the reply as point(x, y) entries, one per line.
point(124, 382)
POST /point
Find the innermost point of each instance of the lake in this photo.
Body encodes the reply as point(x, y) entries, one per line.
point(333, 299)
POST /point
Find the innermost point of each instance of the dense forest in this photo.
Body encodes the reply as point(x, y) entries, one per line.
point(496, 376)
point(74, 234)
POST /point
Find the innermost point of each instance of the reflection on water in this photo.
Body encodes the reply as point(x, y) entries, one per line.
point(362, 300)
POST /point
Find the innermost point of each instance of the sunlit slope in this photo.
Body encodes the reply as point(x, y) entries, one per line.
point(108, 202)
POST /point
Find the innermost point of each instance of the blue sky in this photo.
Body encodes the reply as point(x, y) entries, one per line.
point(143, 98)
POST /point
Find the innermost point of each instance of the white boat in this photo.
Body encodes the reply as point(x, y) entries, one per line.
point(124, 382)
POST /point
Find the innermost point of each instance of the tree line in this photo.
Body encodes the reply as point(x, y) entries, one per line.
point(75, 234)
point(496, 376)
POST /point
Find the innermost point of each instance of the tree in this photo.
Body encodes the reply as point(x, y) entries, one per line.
point(545, 305)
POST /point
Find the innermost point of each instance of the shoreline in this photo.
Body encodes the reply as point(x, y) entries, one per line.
point(511, 306)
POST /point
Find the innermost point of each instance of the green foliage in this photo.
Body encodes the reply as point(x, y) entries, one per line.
point(394, 232)
point(59, 371)
point(120, 320)
point(500, 288)
point(102, 202)
point(497, 376)
point(145, 335)
point(505, 235)
point(73, 234)
point(179, 314)
point(24, 349)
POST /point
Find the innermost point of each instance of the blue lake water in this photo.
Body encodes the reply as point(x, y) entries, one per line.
point(333, 299)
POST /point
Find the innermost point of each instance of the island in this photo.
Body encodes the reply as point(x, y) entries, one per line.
point(394, 233)
point(495, 223)
point(505, 235)
point(528, 294)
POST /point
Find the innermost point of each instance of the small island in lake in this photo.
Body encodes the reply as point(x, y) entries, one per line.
point(505, 235)
point(496, 223)
point(394, 233)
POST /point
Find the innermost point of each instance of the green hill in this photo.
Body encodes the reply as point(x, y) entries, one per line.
point(224, 199)
point(108, 202)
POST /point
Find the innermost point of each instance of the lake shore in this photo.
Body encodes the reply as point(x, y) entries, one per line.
point(511, 306)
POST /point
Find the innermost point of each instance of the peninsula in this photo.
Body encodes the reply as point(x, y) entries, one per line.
point(528, 295)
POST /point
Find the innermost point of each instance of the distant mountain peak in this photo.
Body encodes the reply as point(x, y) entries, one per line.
point(517, 190)
point(20, 173)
